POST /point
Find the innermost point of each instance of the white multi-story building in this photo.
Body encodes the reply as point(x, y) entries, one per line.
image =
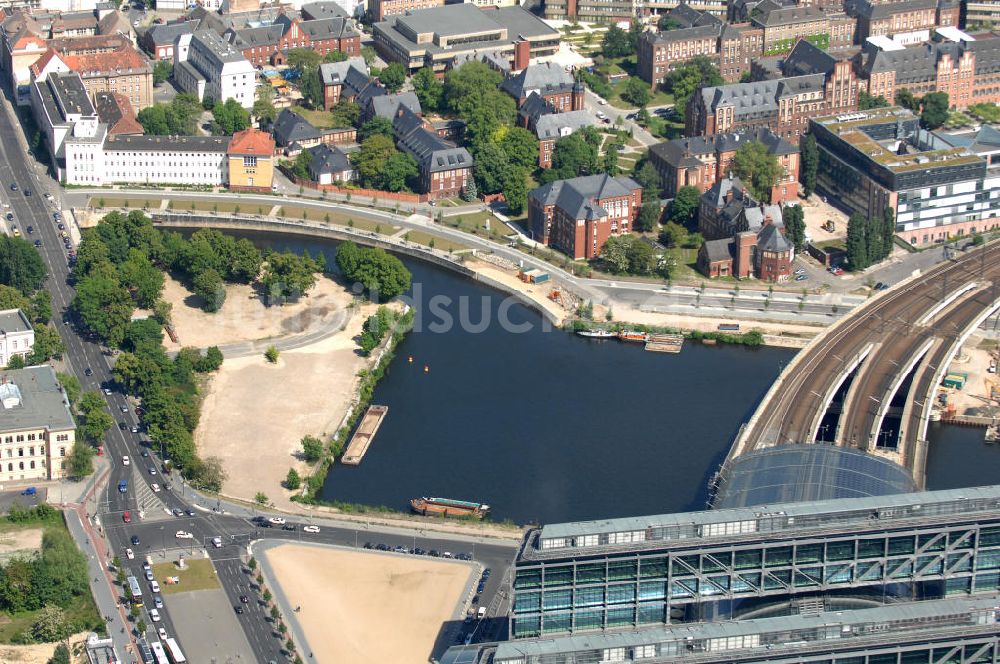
point(62, 110)
point(36, 427)
point(17, 337)
point(206, 65)
point(135, 159)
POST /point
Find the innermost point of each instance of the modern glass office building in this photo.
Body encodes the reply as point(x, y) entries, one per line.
point(625, 573)
point(948, 631)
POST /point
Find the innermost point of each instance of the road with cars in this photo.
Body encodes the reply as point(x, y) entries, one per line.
point(146, 517)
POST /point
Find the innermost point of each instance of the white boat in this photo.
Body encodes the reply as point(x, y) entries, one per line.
point(597, 334)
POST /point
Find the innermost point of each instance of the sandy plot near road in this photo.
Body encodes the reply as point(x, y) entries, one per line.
point(20, 540)
point(384, 608)
point(255, 413)
point(38, 653)
point(244, 316)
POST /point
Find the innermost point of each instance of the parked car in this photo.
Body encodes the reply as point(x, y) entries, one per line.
point(801, 277)
point(154, 615)
point(135, 540)
point(130, 554)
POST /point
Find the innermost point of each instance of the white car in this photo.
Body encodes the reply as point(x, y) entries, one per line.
point(183, 534)
point(277, 520)
point(154, 586)
point(155, 488)
point(130, 554)
point(125, 460)
point(154, 615)
point(163, 633)
point(107, 391)
point(310, 529)
point(149, 575)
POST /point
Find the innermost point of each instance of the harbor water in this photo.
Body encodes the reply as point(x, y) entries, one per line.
point(545, 426)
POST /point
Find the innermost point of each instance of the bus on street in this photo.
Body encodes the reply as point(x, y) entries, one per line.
point(174, 652)
point(135, 591)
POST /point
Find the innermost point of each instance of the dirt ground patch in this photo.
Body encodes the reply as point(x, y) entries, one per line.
point(817, 213)
point(306, 392)
point(40, 653)
point(13, 541)
point(974, 398)
point(386, 608)
point(245, 317)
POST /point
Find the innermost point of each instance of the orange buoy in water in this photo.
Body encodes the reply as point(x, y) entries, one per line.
point(427, 369)
point(410, 359)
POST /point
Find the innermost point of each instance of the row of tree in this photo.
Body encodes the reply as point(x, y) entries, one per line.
point(382, 275)
point(22, 274)
point(869, 240)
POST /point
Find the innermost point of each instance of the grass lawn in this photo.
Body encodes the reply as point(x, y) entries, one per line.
point(199, 575)
point(317, 118)
point(839, 243)
point(81, 611)
point(439, 243)
point(124, 202)
point(336, 218)
point(475, 223)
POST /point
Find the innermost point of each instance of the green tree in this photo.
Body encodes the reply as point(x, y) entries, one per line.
point(41, 307)
point(162, 70)
point(616, 43)
point(649, 180)
point(400, 172)
point(335, 56)
point(684, 207)
point(70, 385)
point(142, 279)
point(866, 101)
point(50, 624)
point(312, 449)
point(795, 226)
point(809, 164)
point(935, 109)
point(104, 307)
point(758, 169)
point(673, 235)
point(230, 117)
point(377, 126)
point(292, 480)
point(287, 274)
point(521, 148)
point(857, 242)
point(428, 88)
point(261, 498)
point(515, 190)
point(208, 285)
point(271, 354)
point(21, 266)
point(345, 113)
point(48, 344)
point(11, 298)
point(572, 156)
point(81, 459)
point(393, 77)
point(667, 23)
point(699, 72)
point(648, 217)
point(263, 105)
point(906, 99)
point(888, 230)
point(381, 274)
point(611, 161)
point(61, 655)
point(302, 59)
point(491, 169)
point(636, 92)
point(371, 158)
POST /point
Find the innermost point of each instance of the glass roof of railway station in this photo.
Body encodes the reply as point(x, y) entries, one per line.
point(796, 473)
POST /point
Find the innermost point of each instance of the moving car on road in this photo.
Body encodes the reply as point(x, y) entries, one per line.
point(130, 554)
point(183, 534)
point(276, 520)
point(310, 529)
point(125, 460)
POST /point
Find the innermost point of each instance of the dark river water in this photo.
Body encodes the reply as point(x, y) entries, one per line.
point(546, 426)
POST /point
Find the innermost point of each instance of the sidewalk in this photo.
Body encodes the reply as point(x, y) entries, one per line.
point(94, 546)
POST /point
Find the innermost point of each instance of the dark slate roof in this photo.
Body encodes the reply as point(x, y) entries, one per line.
point(326, 159)
point(806, 58)
point(291, 127)
point(369, 92)
point(684, 34)
point(328, 28)
point(578, 197)
point(771, 238)
point(545, 78)
point(351, 73)
point(535, 107)
point(555, 125)
point(987, 139)
point(168, 33)
point(716, 195)
point(880, 10)
point(385, 106)
point(680, 152)
point(768, 15)
point(918, 63)
point(759, 96)
point(431, 152)
point(314, 10)
point(266, 35)
point(175, 143)
point(719, 250)
point(685, 15)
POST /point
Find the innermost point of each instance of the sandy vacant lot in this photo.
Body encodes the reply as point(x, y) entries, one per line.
point(244, 317)
point(36, 654)
point(29, 539)
point(255, 413)
point(385, 608)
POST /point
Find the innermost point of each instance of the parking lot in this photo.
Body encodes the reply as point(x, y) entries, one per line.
point(208, 627)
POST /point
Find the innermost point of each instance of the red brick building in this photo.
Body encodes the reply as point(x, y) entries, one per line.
point(701, 161)
point(549, 81)
point(816, 83)
point(908, 17)
point(379, 10)
point(268, 44)
point(578, 216)
point(343, 80)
